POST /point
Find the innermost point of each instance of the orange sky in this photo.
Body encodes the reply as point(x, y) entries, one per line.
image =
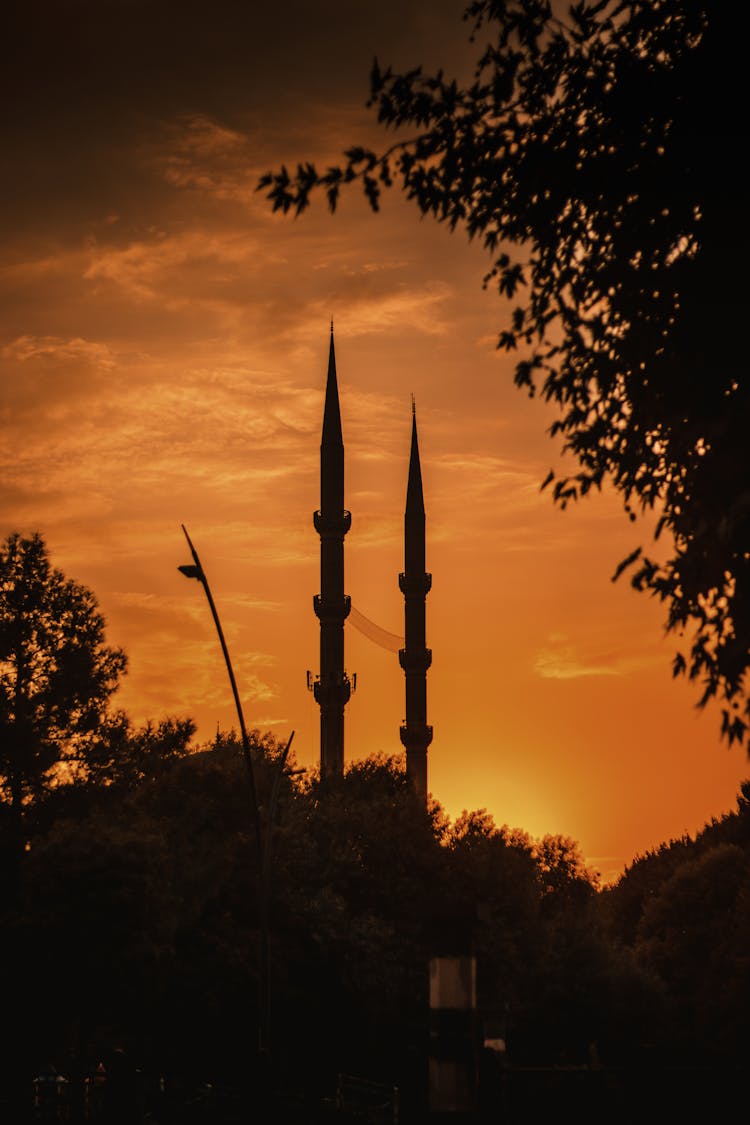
point(163, 342)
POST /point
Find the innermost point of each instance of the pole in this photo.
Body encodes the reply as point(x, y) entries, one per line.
point(201, 576)
point(263, 840)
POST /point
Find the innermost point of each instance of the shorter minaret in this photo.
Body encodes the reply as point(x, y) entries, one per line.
point(332, 687)
point(415, 658)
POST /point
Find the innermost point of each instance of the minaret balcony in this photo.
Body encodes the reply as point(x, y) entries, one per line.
point(332, 693)
point(332, 526)
point(332, 610)
point(415, 661)
point(416, 736)
point(415, 585)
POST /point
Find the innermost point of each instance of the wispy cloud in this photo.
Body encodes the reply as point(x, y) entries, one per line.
point(423, 309)
point(563, 661)
point(265, 722)
point(180, 267)
point(205, 157)
point(75, 348)
point(159, 603)
point(484, 472)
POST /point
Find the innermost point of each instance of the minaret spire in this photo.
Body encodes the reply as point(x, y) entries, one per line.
point(415, 658)
point(332, 688)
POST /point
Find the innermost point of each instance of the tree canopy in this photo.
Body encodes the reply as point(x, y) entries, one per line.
point(150, 903)
point(595, 157)
point(57, 675)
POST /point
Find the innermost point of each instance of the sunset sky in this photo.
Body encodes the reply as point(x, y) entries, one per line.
point(163, 345)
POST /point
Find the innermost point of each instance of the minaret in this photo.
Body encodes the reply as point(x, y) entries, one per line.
point(332, 688)
point(415, 659)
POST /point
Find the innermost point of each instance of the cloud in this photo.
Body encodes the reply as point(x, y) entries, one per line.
point(76, 348)
point(159, 603)
point(205, 138)
point(564, 664)
point(88, 436)
point(422, 309)
point(486, 471)
point(264, 722)
point(373, 301)
point(206, 157)
point(454, 480)
point(562, 661)
point(198, 266)
point(45, 379)
point(235, 282)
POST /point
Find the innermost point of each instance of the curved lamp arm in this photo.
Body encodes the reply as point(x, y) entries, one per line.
point(197, 571)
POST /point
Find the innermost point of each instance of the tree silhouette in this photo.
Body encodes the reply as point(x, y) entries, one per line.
point(122, 757)
point(138, 926)
point(595, 156)
point(683, 911)
point(56, 676)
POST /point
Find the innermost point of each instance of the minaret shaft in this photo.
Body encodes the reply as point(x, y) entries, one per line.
point(332, 521)
point(415, 658)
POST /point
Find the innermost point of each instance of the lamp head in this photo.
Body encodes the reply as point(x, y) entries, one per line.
point(191, 572)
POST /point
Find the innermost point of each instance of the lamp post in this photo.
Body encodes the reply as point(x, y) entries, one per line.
point(262, 839)
point(196, 571)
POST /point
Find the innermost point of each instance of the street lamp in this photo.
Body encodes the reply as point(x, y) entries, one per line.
point(263, 839)
point(197, 571)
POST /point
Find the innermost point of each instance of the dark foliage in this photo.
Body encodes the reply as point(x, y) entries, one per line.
point(137, 935)
point(56, 677)
point(684, 912)
point(139, 925)
point(596, 157)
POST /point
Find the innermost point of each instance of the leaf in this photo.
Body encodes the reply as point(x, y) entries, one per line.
point(626, 562)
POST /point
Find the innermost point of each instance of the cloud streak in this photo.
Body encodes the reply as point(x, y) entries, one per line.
point(562, 661)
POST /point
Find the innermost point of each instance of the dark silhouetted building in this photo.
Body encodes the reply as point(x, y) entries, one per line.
point(332, 687)
point(415, 658)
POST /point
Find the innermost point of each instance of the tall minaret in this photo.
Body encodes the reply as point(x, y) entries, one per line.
point(415, 659)
point(332, 688)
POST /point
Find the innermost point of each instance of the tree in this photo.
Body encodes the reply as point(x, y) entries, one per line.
point(595, 156)
point(693, 934)
point(121, 757)
point(137, 918)
point(56, 675)
point(562, 869)
point(360, 870)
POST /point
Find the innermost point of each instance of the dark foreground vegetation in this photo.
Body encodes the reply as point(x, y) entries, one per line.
point(141, 972)
point(131, 951)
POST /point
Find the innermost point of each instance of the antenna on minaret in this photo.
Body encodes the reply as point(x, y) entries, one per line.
point(415, 658)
